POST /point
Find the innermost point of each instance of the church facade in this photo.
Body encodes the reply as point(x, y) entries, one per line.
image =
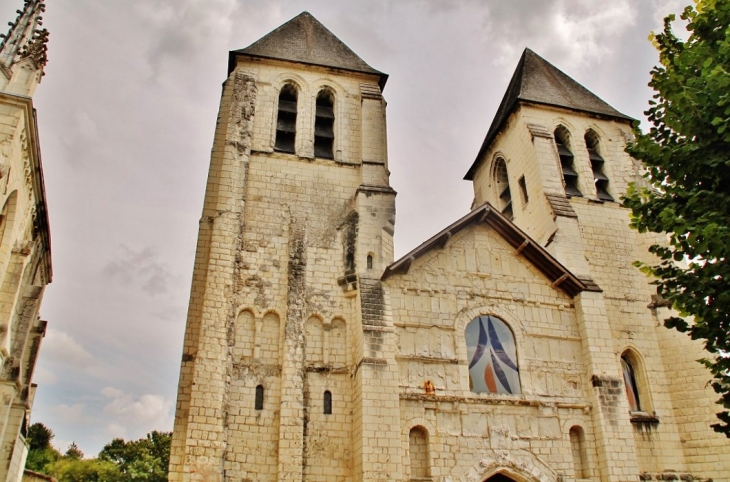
point(519, 343)
point(25, 246)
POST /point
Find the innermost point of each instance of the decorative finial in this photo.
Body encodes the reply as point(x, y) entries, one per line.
point(25, 39)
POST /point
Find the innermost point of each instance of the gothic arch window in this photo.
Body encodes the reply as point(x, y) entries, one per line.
point(629, 368)
point(324, 125)
point(501, 184)
point(286, 120)
point(370, 261)
point(492, 356)
point(570, 175)
point(578, 449)
point(418, 451)
point(597, 164)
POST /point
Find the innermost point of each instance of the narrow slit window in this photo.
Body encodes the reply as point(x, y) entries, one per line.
point(324, 125)
point(327, 402)
point(570, 175)
point(501, 182)
point(286, 120)
point(259, 402)
point(370, 261)
point(523, 190)
point(597, 164)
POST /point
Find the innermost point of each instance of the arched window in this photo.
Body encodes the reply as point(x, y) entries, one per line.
point(327, 402)
point(259, 402)
point(492, 356)
point(286, 120)
point(370, 261)
point(570, 175)
point(418, 448)
point(599, 176)
point(577, 446)
point(501, 182)
point(324, 125)
point(628, 367)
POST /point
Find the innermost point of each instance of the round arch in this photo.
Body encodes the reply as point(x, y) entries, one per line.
point(518, 465)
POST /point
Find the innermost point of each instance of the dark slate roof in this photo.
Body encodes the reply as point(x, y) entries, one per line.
point(559, 276)
point(538, 81)
point(304, 39)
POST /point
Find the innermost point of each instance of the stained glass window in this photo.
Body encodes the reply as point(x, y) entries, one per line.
point(492, 355)
point(632, 390)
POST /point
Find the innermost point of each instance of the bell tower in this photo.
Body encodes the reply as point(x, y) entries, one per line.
point(296, 230)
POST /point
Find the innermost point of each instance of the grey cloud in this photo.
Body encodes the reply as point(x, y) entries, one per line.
point(141, 267)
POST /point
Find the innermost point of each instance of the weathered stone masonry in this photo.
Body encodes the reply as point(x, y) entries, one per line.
point(310, 355)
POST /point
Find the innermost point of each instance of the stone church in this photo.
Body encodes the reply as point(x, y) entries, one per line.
point(519, 343)
point(25, 239)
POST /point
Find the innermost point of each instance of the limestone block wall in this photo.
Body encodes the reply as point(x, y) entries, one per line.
point(478, 273)
point(25, 265)
point(267, 390)
point(592, 238)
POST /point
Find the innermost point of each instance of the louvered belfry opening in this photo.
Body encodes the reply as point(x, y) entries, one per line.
point(570, 175)
point(597, 164)
point(286, 120)
point(324, 125)
point(501, 181)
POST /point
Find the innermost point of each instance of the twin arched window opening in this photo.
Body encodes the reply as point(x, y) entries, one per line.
point(324, 121)
point(492, 355)
point(570, 175)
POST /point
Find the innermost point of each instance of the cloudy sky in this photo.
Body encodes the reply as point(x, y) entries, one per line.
point(126, 116)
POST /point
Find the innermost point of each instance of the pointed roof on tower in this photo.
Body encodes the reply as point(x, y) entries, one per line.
point(537, 81)
point(305, 40)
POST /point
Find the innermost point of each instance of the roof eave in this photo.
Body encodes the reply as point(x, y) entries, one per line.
point(560, 277)
point(233, 56)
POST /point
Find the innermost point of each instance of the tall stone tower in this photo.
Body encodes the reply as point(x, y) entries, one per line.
point(25, 256)
point(297, 225)
point(554, 163)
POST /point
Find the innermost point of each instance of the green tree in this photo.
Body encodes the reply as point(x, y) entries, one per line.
point(40, 451)
point(687, 196)
point(74, 452)
point(69, 469)
point(146, 459)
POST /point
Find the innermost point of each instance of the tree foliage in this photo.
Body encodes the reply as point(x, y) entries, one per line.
point(140, 460)
point(144, 459)
point(687, 154)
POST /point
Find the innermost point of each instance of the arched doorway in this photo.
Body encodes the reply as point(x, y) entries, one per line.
point(499, 478)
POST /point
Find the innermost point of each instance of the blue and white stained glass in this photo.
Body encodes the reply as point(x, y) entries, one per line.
point(492, 355)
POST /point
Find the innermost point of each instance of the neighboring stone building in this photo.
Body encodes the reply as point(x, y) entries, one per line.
point(25, 245)
point(519, 343)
